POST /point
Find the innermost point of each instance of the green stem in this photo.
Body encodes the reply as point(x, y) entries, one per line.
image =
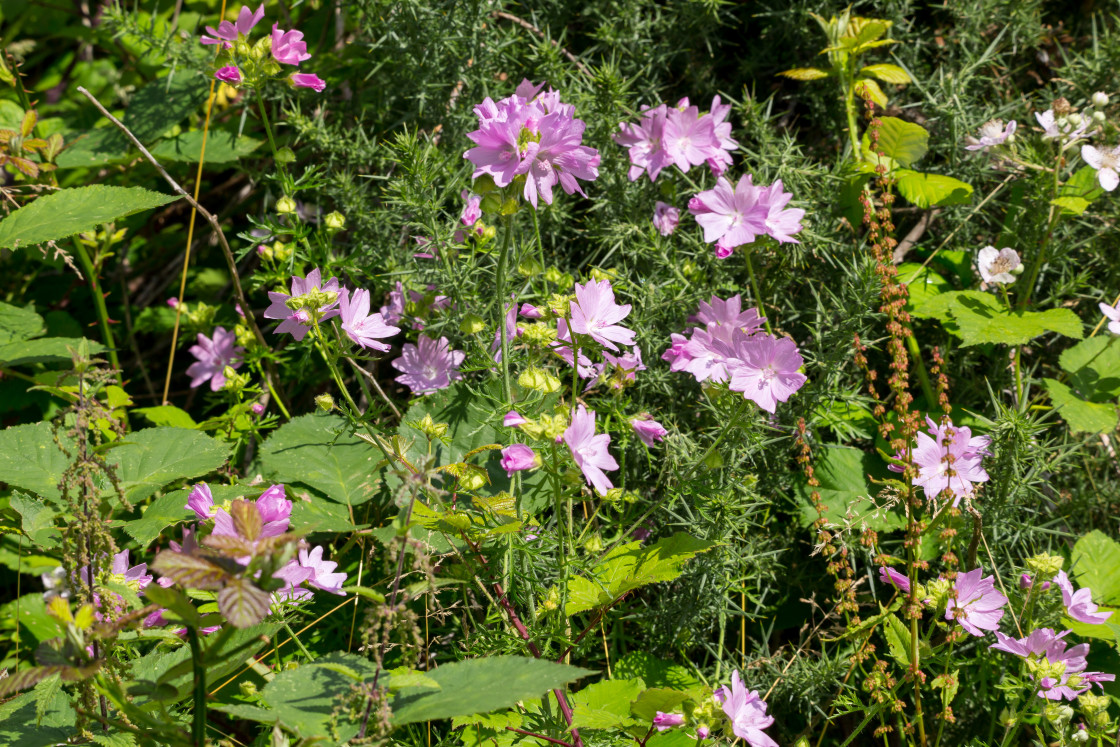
point(302, 648)
point(920, 367)
point(755, 291)
point(500, 282)
point(198, 726)
point(941, 725)
point(1040, 258)
point(540, 252)
point(272, 144)
point(99, 304)
point(850, 108)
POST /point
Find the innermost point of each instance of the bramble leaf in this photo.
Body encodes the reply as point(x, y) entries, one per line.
point(66, 212)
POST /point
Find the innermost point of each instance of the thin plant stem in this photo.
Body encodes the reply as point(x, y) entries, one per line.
point(198, 723)
point(500, 282)
point(99, 304)
point(945, 673)
point(920, 367)
point(755, 291)
point(1040, 258)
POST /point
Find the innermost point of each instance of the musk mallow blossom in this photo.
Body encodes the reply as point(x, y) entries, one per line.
point(729, 313)
point(1079, 604)
point(472, 211)
point(590, 449)
point(429, 365)
point(513, 419)
point(1107, 163)
point(648, 429)
point(135, 577)
point(226, 33)
point(595, 313)
point(627, 365)
point(730, 215)
point(1112, 313)
point(288, 47)
point(949, 458)
point(297, 323)
point(678, 135)
point(975, 603)
point(688, 137)
point(643, 141)
point(997, 266)
point(213, 355)
point(663, 721)
point(393, 311)
point(307, 80)
point(322, 574)
point(228, 74)
point(765, 370)
point(890, 576)
point(518, 457)
point(781, 222)
point(1026, 582)
point(665, 218)
point(201, 501)
point(746, 711)
point(1059, 672)
point(992, 133)
point(677, 356)
point(364, 328)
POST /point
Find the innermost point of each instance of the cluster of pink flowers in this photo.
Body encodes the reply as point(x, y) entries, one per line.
point(679, 136)
point(535, 136)
point(287, 48)
point(363, 328)
point(745, 711)
point(949, 458)
point(975, 604)
point(1044, 646)
point(212, 356)
point(589, 450)
point(735, 215)
point(732, 348)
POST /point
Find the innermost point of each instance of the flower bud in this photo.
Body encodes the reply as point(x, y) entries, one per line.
point(489, 233)
point(335, 221)
point(529, 267)
point(509, 206)
point(561, 279)
point(593, 544)
point(258, 409)
point(1100, 99)
point(484, 185)
point(245, 337)
point(1099, 117)
point(1080, 736)
point(281, 251)
point(538, 380)
point(431, 428)
point(285, 156)
point(285, 205)
point(472, 324)
point(472, 481)
point(1074, 119)
point(325, 402)
point(491, 203)
point(248, 688)
point(264, 252)
point(1044, 565)
point(552, 601)
point(538, 334)
point(234, 381)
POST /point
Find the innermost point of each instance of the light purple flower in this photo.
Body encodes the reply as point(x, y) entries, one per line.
point(997, 266)
point(781, 222)
point(719, 157)
point(1112, 313)
point(228, 74)
point(322, 576)
point(648, 429)
point(564, 346)
point(731, 216)
point(677, 355)
point(363, 328)
point(213, 355)
point(949, 458)
point(307, 80)
point(892, 577)
point(1052, 129)
point(688, 137)
point(518, 457)
point(665, 218)
point(275, 510)
point(513, 419)
point(992, 133)
point(729, 313)
point(530, 312)
point(1106, 162)
point(227, 32)
point(201, 501)
point(298, 323)
point(595, 313)
point(1079, 604)
point(663, 721)
point(258, 409)
point(472, 211)
point(1026, 582)
point(590, 450)
point(747, 712)
point(288, 47)
point(977, 606)
point(1045, 644)
point(643, 140)
point(764, 369)
point(136, 577)
point(429, 365)
point(393, 311)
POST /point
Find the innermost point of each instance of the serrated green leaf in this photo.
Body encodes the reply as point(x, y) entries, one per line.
point(663, 699)
point(1096, 564)
point(21, 725)
point(922, 282)
point(167, 415)
point(37, 519)
point(903, 141)
point(1079, 191)
point(980, 318)
point(932, 190)
point(319, 451)
point(151, 458)
point(17, 324)
point(1081, 415)
point(43, 350)
point(887, 73)
point(69, 211)
point(1094, 367)
point(222, 146)
point(30, 459)
point(654, 672)
point(845, 490)
point(898, 640)
point(605, 705)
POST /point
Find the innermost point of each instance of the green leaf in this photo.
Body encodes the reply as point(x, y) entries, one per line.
point(887, 73)
point(480, 686)
point(222, 147)
point(845, 490)
point(69, 211)
point(320, 516)
point(605, 705)
point(654, 672)
point(168, 415)
point(1081, 415)
point(1094, 367)
point(38, 519)
point(930, 190)
point(242, 603)
point(17, 324)
point(320, 452)
point(1096, 564)
point(867, 88)
point(948, 683)
point(171, 508)
point(657, 699)
point(149, 459)
point(631, 566)
point(979, 318)
point(1109, 630)
point(903, 141)
point(1078, 192)
point(30, 459)
point(21, 725)
point(43, 350)
point(805, 73)
point(922, 282)
point(898, 640)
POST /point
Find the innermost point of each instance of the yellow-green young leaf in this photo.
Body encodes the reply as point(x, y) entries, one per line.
point(1081, 415)
point(903, 141)
point(863, 30)
point(867, 88)
point(887, 73)
point(805, 73)
point(69, 211)
point(932, 190)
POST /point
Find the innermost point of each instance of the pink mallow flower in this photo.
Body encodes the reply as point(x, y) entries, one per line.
point(663, 721)
point(730, 216)
point(288, 47)
point(1046, 646)
point(975, 604)
point(136, 577)
point(226, 33)
point(595, 313)
point(298, 323)
point(781, 222)
point(322, 574)
point(1079, 604)
point(364, 328)
point(275, 510)
point(201, 501)
point(213, 355)
point(665, 218)
point(228, 74)
point(949, 458)
point(429, 365)
point(764, 369)
point(513, 419)
point(518, 457)
point(644, 142)
point(1112, 313)
point(648, 429)
point(307, 80)
point(746, 711)
point(1026, 582)
point(394, 310)
point(472, 211)
point(992, 133)
point(590, 450)
point(893, 578)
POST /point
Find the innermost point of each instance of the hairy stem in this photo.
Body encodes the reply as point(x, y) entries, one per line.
point(99, 304)
point(198, 723)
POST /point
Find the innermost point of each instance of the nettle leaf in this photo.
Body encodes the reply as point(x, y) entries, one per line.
point(481, 686)
point(18, 324)
point(1096, 564)
point(805, 73)
point(887, 73)
point(922, 282)
point(980, 318)
point(631, 566)
point(44, 350)
point(66, 212)
point(846, 490)
point(167, 415)
point(25, 723)
point(903, 141)
point(1081, 415)
point(37, 518)
point(932, 190)
point(171, 508)
point(320, 452)
point(30, 459)
point(222, 146)
point(657, 699)
point(242, 603)
point(606, 704)
point(188, 570)
point(655, 672)
point(151, 458)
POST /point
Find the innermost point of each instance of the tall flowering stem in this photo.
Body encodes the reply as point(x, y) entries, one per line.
point(198, 664)
point(500, 283)
point(755, 291)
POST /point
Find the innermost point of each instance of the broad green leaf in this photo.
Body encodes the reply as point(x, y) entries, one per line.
point(489, 720)
point(17, 324)
point(898, 640)
point(1094, 367)
point(922, 282)
point(30, 459)
point(33, 616)
point(979, 318)
point(845, 489)
point(222, 146)
point(38, 519)
point(241, 602)
point(480, 686)
point(1096, 564)
point(654, 672)
point(320, 452)
point(168, 415)
point(1079, 192)
point(930, 190)
point(69, 211)
point(1081, 415)
point(631, 566)
point(606, 704)
point(657, 699)
point(161, 513)
point(805, 73)
point(43, 350)
point(868, 88)
point(903, 141)
point(315, 515)
point(149, 459)
point(887, 73)
point(20, 723)
point(1109, 630)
